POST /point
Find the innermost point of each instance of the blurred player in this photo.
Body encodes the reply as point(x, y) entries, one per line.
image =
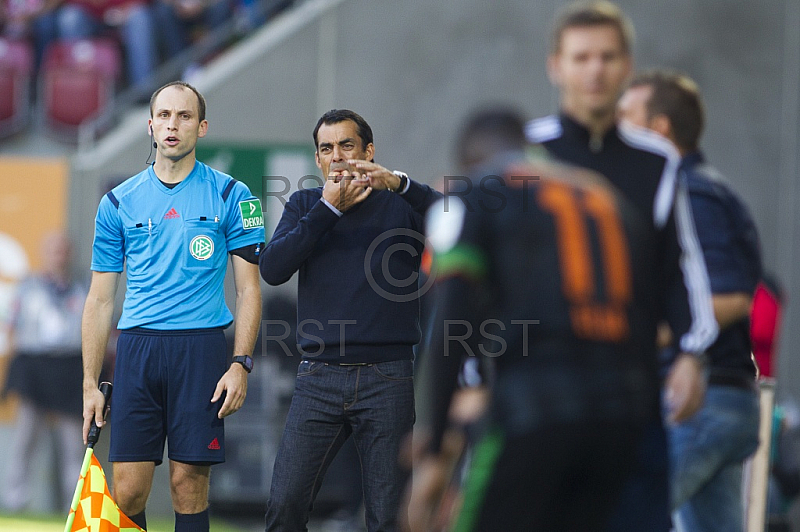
point(558, 289)
point(707, 450)
point(45, 372)
point(590, 61)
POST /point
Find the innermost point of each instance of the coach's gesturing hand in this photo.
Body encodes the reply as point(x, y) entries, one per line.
point(379, 178)
point(345, 189)
point(234, 383)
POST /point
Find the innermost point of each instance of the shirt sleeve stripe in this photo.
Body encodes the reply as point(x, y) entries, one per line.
point(647, 140)
point(228, 189)
point(113, 199)
point(704, 328)
point(543, 129)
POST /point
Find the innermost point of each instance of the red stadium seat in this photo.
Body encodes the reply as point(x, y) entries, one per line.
point(79, 79)
point(16, 65)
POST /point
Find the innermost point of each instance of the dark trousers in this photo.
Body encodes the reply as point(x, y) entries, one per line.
point(564, 477)
point(375, 404)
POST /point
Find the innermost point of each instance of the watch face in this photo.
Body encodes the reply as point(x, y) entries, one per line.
point(247, 362)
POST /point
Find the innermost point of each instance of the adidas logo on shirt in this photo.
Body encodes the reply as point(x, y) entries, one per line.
point(172, 214)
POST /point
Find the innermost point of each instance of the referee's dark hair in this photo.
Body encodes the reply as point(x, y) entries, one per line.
point(201, 102)
point(589, 14)
point(334, 116)
point(677, 97)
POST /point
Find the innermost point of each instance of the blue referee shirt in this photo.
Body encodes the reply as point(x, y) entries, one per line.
point(173, 244)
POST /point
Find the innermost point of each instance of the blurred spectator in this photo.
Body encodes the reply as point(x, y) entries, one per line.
point(765, 324)
point(707, 450)
point(30, 19)
point(251, 14)
point(82, 19)
point(181, 22)
point(46, 372)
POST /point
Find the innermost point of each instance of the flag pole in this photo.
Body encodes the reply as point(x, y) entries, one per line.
point(93, 436)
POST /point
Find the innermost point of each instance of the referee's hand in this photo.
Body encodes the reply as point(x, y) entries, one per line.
point(234, 384)
point(93, 406)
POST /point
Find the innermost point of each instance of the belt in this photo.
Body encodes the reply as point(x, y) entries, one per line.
point(734, 381)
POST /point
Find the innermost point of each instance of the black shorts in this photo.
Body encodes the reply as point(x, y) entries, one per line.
point(163, 384)
point(51, 382)
point(562, 477)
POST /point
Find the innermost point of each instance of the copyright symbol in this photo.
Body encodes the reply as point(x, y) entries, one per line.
point(387, 255)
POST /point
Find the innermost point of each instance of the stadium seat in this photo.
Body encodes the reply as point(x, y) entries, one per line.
point(78, 81)
point(16, 65)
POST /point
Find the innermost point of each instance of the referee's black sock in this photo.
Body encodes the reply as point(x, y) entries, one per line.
point(192, 522)
point(140, 519)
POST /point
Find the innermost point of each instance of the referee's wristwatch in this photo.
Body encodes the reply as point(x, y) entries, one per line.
point(246, 361)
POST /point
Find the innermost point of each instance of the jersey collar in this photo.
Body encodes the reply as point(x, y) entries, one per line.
point(180, 186)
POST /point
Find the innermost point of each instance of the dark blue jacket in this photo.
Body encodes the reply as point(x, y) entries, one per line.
point(731, 250)
point(357, 285)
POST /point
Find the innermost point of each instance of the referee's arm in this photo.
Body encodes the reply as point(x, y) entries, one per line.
point(248, 320)
point(95, 326)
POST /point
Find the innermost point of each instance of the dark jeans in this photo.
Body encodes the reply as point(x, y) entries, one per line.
point(374, 403)
point(707, 453)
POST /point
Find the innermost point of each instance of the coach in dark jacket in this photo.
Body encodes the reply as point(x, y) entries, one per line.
point(357, 243)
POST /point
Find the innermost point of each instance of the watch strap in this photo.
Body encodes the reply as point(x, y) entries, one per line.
point(245, 361)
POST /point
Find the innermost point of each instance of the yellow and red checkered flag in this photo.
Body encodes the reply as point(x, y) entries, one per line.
point(95, 510)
